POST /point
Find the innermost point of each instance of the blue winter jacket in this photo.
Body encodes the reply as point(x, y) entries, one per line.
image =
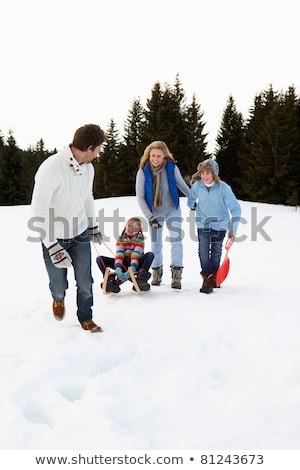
point(170, 167)
point(217, 208)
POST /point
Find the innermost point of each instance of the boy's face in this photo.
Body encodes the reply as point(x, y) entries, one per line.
point(207, 177)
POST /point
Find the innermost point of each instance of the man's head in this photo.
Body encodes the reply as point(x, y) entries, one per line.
point(89, 135)
point(87, 142)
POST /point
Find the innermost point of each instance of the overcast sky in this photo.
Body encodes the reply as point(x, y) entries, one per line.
point(65, 63)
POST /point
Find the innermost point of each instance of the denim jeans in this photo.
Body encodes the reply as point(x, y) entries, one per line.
point(210, 249)
point(173, 222)
point(79, 249)
point(108, 262)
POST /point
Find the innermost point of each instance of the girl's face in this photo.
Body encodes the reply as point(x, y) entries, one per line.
point(132, 228)
point(207, 177)
point(156, 157)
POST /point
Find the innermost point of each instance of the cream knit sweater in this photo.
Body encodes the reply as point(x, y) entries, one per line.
point(62, 202)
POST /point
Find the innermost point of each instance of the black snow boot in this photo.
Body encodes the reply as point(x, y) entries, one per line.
point(112, 285)
point(176, 277)
point(208, 283)
point(142, 278)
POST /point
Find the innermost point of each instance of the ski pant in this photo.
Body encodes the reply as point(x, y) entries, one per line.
point(145, 262)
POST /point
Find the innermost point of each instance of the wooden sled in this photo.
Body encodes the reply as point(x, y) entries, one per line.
point(108, 272)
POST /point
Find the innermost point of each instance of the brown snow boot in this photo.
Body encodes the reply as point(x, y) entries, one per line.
point(58, 308)
point(208, 283)
point(157, 276)
point(176, 277)
point(214, 282)
point(89, 325)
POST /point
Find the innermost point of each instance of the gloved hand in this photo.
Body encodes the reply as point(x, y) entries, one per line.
point(231, 234)
point(95, 235)
point(59, 256)
point(121, 275)
point(133, 267)
point(154, 223)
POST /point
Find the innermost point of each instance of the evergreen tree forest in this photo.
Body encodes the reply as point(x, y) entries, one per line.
point(259, 157)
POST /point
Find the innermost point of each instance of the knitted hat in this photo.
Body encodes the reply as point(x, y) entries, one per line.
point(207, 165)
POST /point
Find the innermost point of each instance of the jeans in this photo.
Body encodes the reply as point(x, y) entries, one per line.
point(173, 222)
point(108, 262)
point(210, 249)
point(79, 249)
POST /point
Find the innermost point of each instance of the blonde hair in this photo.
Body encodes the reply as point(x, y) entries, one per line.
point(133, 220)
point(157, 144)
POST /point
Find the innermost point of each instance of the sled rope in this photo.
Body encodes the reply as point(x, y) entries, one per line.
point(97, 251)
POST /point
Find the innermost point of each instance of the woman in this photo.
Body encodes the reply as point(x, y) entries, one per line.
point(157, 181)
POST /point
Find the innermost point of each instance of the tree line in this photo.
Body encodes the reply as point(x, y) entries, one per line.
point(259, 156)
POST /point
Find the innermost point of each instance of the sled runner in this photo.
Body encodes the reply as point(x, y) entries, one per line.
point(109, 272)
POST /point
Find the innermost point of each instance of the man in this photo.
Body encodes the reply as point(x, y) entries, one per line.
point(63, 206)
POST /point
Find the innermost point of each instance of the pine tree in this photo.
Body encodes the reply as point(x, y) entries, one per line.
point(11, 189)
point(291, 186)
point(272, 149)
point(255, 161)
point(196, 145)
point(132, 149)
point(165, 120)
point(229, 141)
point(107, 171)
point(33, 157)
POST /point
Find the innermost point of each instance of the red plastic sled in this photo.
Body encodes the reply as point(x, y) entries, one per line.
point(223, 270)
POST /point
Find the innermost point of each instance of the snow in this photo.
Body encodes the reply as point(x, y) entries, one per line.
point(172, 369)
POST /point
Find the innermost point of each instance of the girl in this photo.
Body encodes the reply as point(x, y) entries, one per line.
point(129, 253)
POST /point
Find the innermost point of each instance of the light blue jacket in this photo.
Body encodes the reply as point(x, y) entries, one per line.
point(217, 207)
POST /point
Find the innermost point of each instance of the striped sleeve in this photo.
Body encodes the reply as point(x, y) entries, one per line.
point(120, 253)
point(138, 251)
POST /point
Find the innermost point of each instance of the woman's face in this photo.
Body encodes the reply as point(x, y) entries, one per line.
point(156, 157)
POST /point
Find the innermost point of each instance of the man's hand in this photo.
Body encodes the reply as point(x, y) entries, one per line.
point(59, 256)
point(95, 235)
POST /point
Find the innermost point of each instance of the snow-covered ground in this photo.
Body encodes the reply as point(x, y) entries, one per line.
point(172, 369)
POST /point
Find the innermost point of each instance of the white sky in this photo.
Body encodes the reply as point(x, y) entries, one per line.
point(65, 63)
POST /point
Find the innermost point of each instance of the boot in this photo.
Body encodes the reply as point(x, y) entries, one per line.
point(58, 308)
point(89, 325)
point(157, 276)
point(142, 278)
point(112, 285)
point(214, 282)
point(176, 277)
point(208, 283)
